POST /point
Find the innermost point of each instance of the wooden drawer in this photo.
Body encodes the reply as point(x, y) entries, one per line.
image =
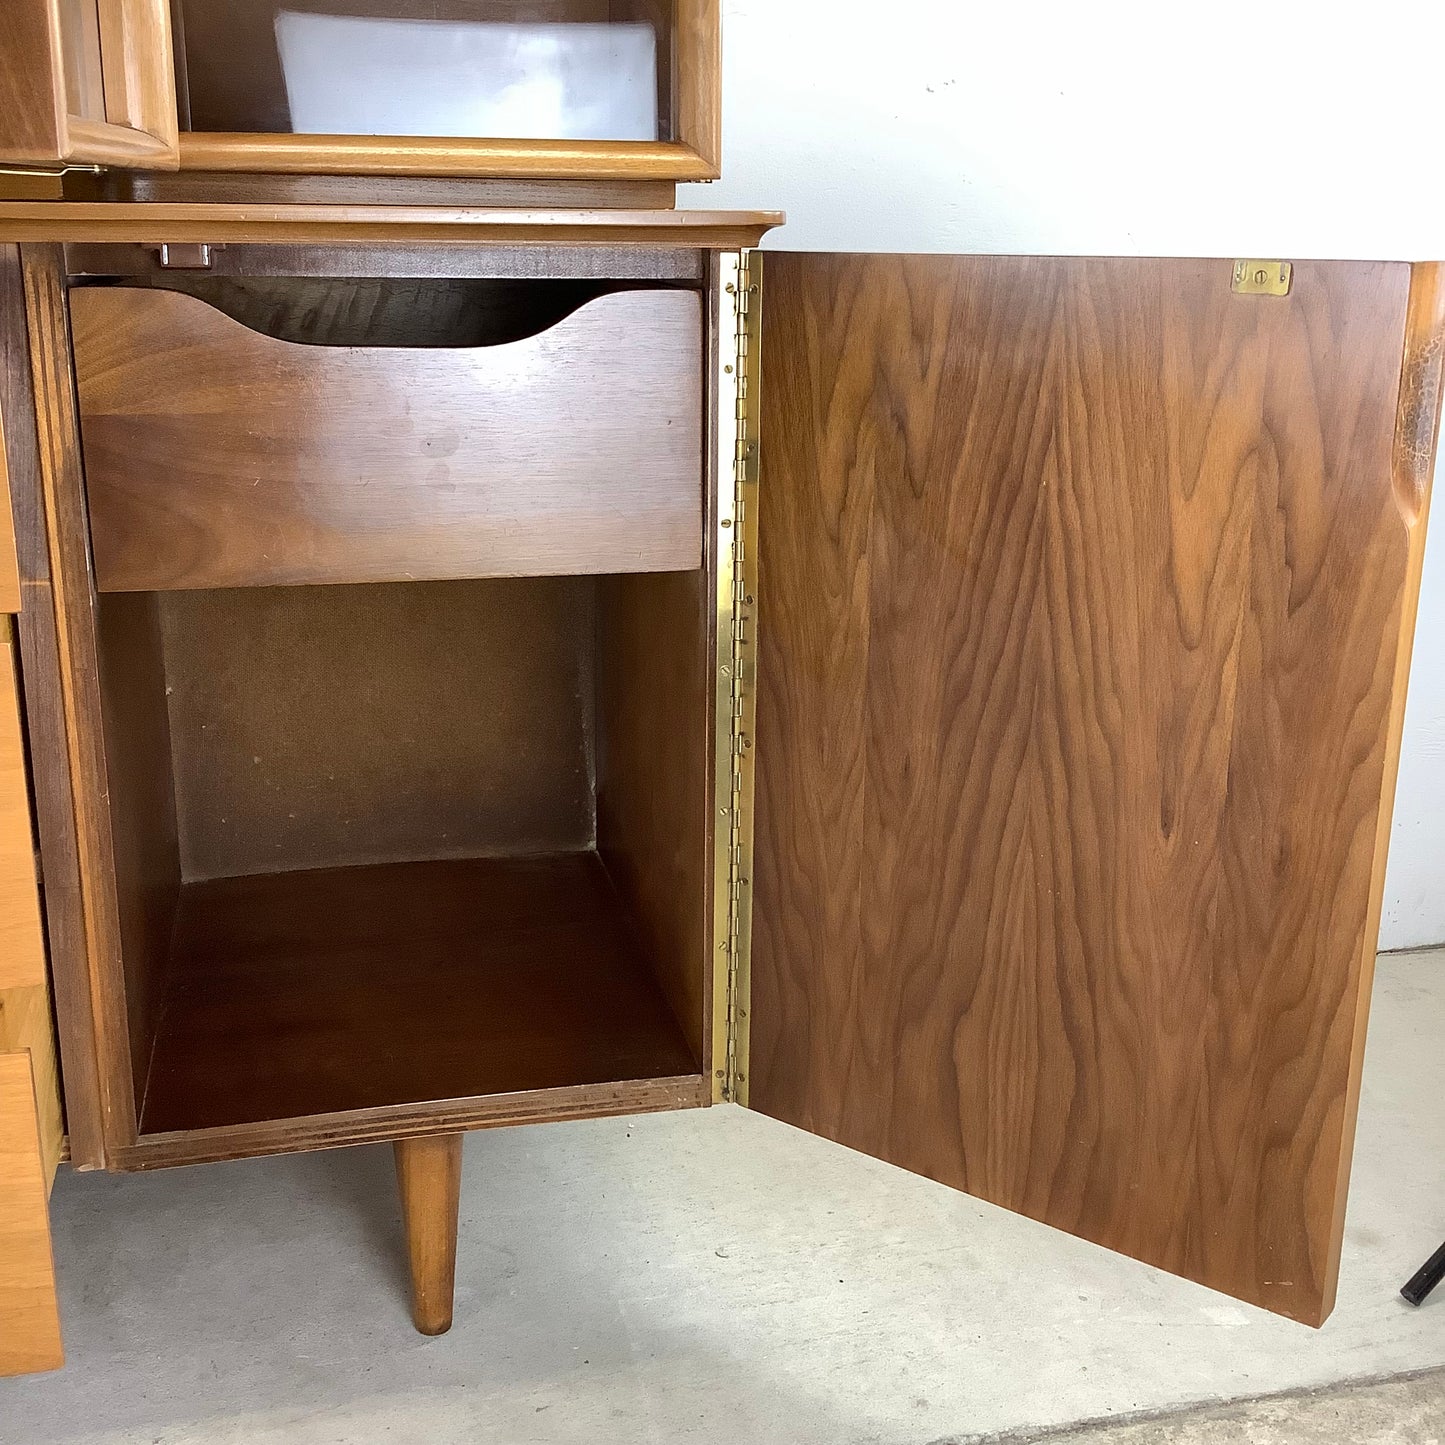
point(217, 456)
point(30, 1136)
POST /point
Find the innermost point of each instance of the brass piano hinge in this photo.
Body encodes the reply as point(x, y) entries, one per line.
point(1262, 278)
point(739, 360)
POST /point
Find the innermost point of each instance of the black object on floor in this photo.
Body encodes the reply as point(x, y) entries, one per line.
point(1429, 1276)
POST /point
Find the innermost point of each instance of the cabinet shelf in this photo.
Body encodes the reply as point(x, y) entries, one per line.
point(323, 990)
point(404, 855)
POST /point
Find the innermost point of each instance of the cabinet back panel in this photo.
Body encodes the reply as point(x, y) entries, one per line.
point(318, 727)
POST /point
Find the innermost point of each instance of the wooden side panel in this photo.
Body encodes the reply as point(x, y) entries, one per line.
point(219, 457)
point(141, 805)
point(327, 727)
point(29, 1314)
point(53, 798)
point(652, 774)
point(32, 1126)
point(1082, 590)
point(22, 944)
point(32, 88)
point(73, 689)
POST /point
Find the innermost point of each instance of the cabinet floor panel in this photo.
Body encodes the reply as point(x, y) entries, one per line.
point(315, 992)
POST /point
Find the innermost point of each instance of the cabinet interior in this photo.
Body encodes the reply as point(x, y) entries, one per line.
point(395, 843)
point(505, 69)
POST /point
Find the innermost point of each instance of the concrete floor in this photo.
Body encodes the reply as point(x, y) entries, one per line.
point(717, 1276)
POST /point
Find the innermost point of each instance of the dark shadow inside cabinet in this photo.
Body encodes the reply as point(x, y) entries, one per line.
point(393, 843)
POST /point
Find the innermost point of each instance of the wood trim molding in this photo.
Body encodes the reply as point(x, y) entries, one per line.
point(153, 224)
point(62, 489)
point(410, 1121)
point(446, 156)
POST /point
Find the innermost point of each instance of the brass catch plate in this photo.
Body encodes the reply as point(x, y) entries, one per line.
point(1262, 278)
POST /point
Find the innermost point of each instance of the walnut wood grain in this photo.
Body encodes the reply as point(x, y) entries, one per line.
point(429, 1180)
point(1082, 589)
point(219, 457)
point(45, 721)
point(22, 943)
point(140, 806)
point(654, 744)
point(294, 994)
point(236, 223)
point(32, 86)
point(410, 1121)
point(29, 1314)
point(74, 685)
point(389, 264)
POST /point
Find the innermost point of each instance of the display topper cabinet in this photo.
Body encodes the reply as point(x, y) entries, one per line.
point(583, 89)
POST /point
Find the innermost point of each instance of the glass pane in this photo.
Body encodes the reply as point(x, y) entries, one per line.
point(503, 69)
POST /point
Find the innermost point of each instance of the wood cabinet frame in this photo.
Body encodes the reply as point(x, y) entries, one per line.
point(124, 81)
point(694, 156)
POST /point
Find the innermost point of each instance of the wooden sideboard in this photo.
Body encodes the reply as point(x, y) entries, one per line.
point(496, 649)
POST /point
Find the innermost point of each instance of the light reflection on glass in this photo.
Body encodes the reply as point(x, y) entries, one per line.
point(352, 75)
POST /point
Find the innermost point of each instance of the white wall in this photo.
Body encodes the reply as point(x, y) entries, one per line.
point(1126, 127)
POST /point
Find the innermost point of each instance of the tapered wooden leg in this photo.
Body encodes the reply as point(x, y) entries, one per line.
point(429, 1174)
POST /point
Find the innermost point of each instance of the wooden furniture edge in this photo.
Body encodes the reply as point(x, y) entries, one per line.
point(1417, 432)
point(62, 490)
point(51, 787)
point(443, 156)
point(411, 1121)
point(219, 224)
point(29, 1315)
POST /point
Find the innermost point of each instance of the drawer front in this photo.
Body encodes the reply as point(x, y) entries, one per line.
point(31, 1124)
point(29, 1316)
point(217, 456)
point(22, 948)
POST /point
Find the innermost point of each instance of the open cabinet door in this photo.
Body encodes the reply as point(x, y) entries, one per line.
point(87, 82)
point(1086, 590)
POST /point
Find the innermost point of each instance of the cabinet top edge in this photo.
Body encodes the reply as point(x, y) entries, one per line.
point(217, 223)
